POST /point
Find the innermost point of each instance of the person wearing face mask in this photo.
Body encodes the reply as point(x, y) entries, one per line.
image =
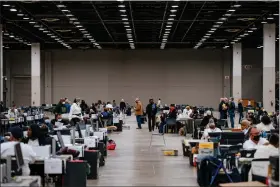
point(255, 140)
point(272, 149)
point(58, 118)
point(60, 107)
point(245, 127)
point(34, 136)
point(75, 114)
point(211, 127)
point(187, 111)
point(8, 149)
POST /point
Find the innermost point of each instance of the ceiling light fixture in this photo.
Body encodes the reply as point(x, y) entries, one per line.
point(26, 18)
point(173, 10)
point(20, 14)
point(6, 5)
point(122, 10)
point(69, 15)
point(270, 18)
point(32, 22)
point(231, 10)
point(13, 10)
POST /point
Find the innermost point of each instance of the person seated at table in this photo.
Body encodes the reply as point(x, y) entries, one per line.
point(211, 127)
point(67, 105)
point(205, 120)
point(60, 107)
point(165, 107)
point(272, 149)
point(245, 127)
point(187, 111)
point(34, 136)
point(13, 112)
point(194, 113)
point(58, 118)
point(265, 124)
point(8, 149)
point(163, 117)
point(255, 139)
point(172, 112)
point(84, 106)
point(92, 109)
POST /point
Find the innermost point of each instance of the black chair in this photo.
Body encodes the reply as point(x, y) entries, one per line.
point(232, 138)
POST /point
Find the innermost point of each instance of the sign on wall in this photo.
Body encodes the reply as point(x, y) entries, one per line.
point(226, 77)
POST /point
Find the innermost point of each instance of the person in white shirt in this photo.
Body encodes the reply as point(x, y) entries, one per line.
point(211, 127)
point(265, 124)
point(75, 114)
point(159, 103)
point(13, 112)
point(246, 125)
point(272, 149)
point(187, 111)
point(255, 140)
point(8, 149)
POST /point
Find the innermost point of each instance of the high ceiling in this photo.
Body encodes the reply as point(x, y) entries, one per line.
point(136, 24)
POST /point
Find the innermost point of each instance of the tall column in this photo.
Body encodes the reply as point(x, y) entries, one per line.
point(1, 63)
point(237, 72)
point(269, 67)
point(48, 78)
point(35, 75)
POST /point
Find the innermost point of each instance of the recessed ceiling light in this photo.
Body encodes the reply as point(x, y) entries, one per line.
point(60, 6)
point(46, 31)
point(270, 18)
point(227, 15)
point(65, 10)
point(26, 18)
point(128, 29)
point(123, 15)
point(211, 31)
point(63, 30)
point(79, 26)
point(81, 29)
point(13, 10)
point(173, 10)
point(11, 36)
point(249, 31)
point(50, 19)
point(231, 10)
point(122, 10)
point(223, 19)
point(20, 14)
point(6, 5)
point(219, 22)
point(121, 6)
point(172, 15)
point(168, 26)
point(72, 19)
point(263, 22)
point(174, 6)
point(124, 19)
point(236, 5)
point(276, 14)
point(32, 22)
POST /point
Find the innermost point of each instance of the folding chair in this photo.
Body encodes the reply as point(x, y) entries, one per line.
point(197, 123)
point(170, 122)
point(259, 169)
point(157, 134)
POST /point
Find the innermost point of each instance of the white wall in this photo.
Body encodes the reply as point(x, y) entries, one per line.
point(176, 76)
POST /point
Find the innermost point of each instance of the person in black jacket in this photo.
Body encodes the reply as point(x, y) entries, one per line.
point(122, 106)
point(151, 111)
point(35, 136)
point(206, 119)
point(240, 110)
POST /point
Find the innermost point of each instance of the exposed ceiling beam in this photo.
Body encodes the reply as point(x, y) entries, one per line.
point(179, 20)
point(163, 20)
point(132, 19)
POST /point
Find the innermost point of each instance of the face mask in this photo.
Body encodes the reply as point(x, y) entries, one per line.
point(63, 102)
point(59, 119)
point(256, 138)
point(212, 127)
point(47, 121)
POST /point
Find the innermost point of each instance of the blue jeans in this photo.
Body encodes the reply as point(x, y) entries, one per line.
point(231, 117)
point(139, 122)
point(160, 129)
point(241, 116)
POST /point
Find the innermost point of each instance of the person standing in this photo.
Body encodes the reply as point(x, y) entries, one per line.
point(75, 114)
point(159, 103)
point(151, 111)
point(231, 111)
point(221, 108)
point(240, 110)
point(138, 112)
point(122, 106)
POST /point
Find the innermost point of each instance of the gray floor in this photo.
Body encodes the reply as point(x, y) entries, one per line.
point(134, 163)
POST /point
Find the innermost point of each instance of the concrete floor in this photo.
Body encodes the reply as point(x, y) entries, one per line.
point(134, 163)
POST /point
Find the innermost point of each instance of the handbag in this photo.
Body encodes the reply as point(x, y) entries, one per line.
point(111, 145)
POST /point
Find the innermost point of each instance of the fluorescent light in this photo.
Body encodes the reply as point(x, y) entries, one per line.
point(208, 34)
point(231, 10)
point(69, 15)
point(174, 6)
point(79, 26)
point(172, 15)
point(123, 15)
point(60, 6)
point(236, 5)
point(6, 5)
point(46, 31)
point(122, 10)
point(127, 26)
point(76, 22)
point(41, 29)
point(227, 15)
point(36, 26)
point(173, 10)
point(65, 10)
point(167, 29)
point(32, 22)
point(246, 34)
point(270, 18)
point(223, 19)
point(263, 22)
point(168, 26)
point(49, 34)
point(73, 19)
point(216, 26)
point(13, 10)
point(211, 31)
point(242, 36)
point(26, 18)
point(128, 29)
point(249, 31)
point(219, 22)
point(121, 6)
point(276, 14)
point(11, 36)
point(170, 19)
point(20, 14)
point(81, 29)
point(124, 19)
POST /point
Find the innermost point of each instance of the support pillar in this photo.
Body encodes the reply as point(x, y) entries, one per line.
point(48, 78)
point(269, 31)
point(237, 72)
point(1, 63)
point(35, 75)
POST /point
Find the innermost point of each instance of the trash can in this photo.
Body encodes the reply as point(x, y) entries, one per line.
point(92, 158)
point(76, 173)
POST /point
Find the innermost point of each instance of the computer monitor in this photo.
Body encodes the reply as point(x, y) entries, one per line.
point(274, 131)
point(60, 140)
point(214, 136)
point(232, 138)
point(19, 156)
